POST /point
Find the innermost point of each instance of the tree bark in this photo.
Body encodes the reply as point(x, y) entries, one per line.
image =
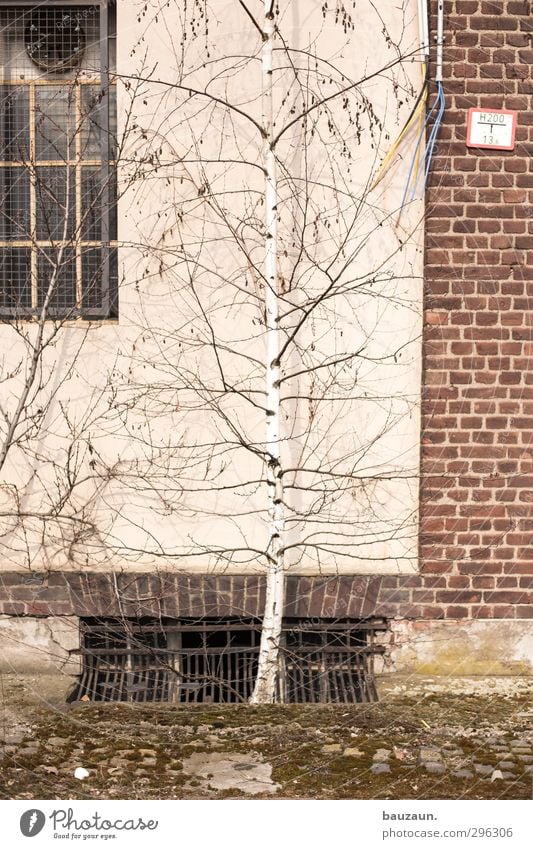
point(266, 689)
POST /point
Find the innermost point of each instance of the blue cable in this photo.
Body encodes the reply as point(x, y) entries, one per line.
point(434, 132)
point(414, 157)
point(429, 149)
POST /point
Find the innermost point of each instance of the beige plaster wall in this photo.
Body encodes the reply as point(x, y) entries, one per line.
point(147, 468)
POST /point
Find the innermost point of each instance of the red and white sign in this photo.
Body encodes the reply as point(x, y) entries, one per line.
point(491, 128)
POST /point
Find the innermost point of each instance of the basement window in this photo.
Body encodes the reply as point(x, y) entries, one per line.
point(329, 663)
point(144, 660)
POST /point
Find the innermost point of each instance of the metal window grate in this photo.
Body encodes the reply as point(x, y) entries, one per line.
point(330, 664)
point(57, 161)
point(55, 38)
point(216, 661)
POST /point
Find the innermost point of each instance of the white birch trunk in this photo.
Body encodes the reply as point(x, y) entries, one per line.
point(265, 689)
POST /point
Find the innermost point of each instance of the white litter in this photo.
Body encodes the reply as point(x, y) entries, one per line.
point(81, 773)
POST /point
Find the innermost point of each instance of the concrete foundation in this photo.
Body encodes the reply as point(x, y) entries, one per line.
point(460, 647)
point(39, 645)
point(428, 648)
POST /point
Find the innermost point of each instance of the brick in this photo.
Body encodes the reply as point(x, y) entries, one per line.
point(457, 612)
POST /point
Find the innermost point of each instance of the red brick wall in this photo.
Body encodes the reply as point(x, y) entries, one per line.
point(477, 492)
point(477, 446)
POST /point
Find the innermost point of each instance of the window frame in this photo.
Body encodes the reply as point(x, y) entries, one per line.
point(107, 195)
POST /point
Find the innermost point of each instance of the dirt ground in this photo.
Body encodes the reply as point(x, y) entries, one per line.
point(424, 739)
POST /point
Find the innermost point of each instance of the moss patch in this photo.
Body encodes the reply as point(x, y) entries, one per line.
point(289, 737)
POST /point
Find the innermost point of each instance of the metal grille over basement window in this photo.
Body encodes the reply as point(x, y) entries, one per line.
point(57, 161)
point(191, 661)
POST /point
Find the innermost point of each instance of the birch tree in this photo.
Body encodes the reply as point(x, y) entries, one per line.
point(285, 376)
point(265, 687)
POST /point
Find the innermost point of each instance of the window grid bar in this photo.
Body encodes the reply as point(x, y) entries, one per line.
point(78, 198)
point(77, 80)
point(33, 200)
point(105, 149)
point(39, 243)
point(26, 3)
point(58, 163)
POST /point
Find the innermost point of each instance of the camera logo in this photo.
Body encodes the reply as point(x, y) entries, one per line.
point(32, 822)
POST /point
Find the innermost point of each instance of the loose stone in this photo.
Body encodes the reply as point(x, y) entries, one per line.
point(483, 769)
point(430, 755)
point(120, 762)
point(379, 768)
point(14, 737)
point(434, 768)
point(48, 770)
point(331, 748)
point(352, 753)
